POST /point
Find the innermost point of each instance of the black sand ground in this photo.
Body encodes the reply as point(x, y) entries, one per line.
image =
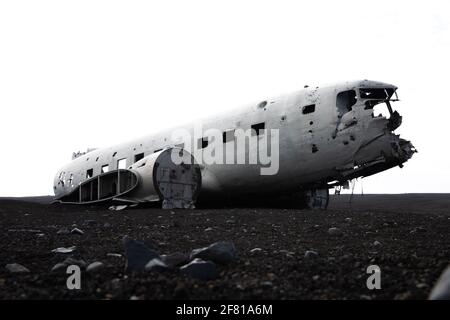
point(413, 231)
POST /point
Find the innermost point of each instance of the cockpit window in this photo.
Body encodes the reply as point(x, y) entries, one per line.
point(375, 96)
point(376, 93)
point(345, 100)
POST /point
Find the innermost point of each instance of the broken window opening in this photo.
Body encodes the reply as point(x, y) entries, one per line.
point(380, 108)
point(105, 168)
point(62, 178)
point(228, 136)
point(345, 100)
point(258, 128)
point(376, 93)
point(138, 157)
point(309, 109)
point(202, 143)
point(314, 148)
point(122, 163)
point(89, 173)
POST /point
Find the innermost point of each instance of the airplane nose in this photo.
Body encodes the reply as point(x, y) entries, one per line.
point(405, 150)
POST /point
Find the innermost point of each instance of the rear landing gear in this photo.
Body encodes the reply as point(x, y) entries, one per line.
point(309, 199)
point(317, 198)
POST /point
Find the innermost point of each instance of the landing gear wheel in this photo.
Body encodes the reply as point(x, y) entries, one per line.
point(317, 198)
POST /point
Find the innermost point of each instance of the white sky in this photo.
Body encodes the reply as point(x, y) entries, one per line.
point(78, 74)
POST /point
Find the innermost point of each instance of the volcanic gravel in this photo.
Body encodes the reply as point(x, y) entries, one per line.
point(407, 236)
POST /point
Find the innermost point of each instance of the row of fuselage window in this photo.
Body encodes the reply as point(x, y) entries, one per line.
point(227, 136)
point(202, 143)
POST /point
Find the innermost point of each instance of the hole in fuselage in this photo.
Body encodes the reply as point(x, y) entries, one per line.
point(309, 109)
point(345, 100)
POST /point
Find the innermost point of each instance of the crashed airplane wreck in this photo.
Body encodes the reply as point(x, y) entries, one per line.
point(324, 137)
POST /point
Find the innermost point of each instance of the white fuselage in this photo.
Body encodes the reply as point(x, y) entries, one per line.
point(314, 148)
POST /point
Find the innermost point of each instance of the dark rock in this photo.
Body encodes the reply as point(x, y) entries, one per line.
point(156, 265)
point(77, 231)
point(418, 229)
point(441, 290)
point(311, 254)
point(200, 269)
point(175, 259)
point(287, 252)
point(63, 231)
point(16, 268)
point(220, 252)
point(72, 261)
point(59, 267)
point(62, 266)
point(118, 208)
point(137, 254)
point(64, 249)
point(267, 284)
point(335, 232)
point(95, 266)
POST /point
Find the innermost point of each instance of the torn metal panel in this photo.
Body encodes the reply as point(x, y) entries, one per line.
point(102, 188)
point(379, 148)
point(153, 178)
point(176, 185)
